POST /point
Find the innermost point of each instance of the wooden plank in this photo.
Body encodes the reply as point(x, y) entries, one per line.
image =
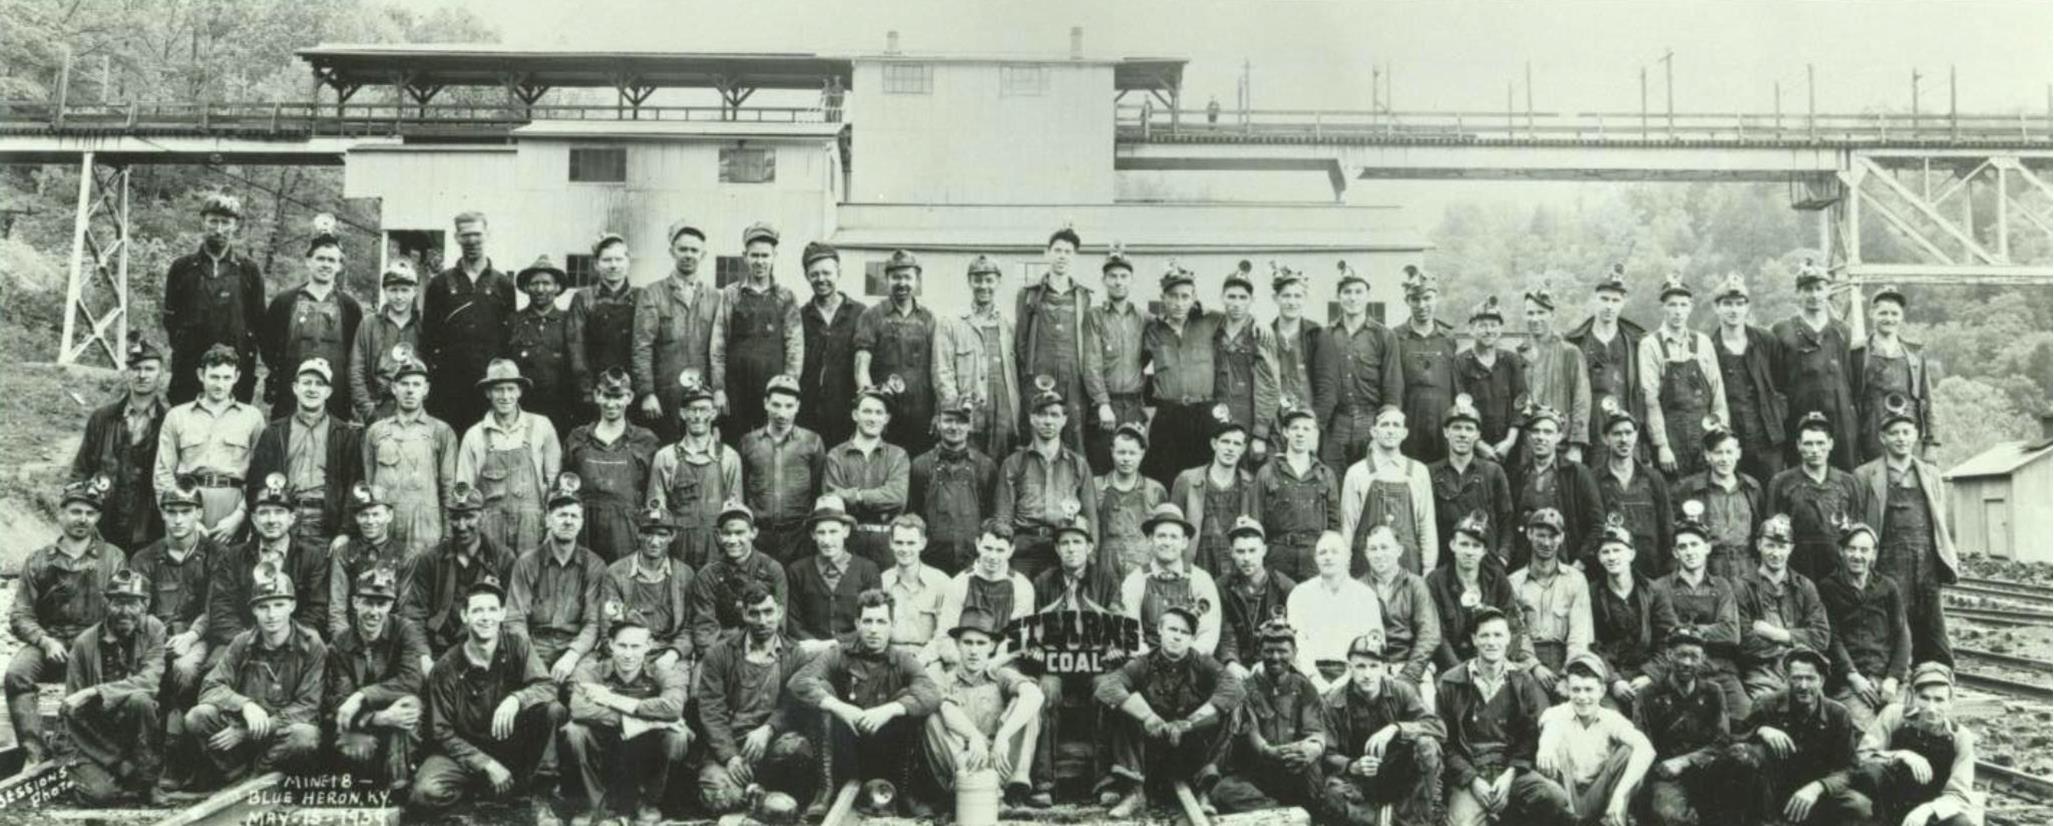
point(1193, 813)
point(844, 803)
point(224, 802)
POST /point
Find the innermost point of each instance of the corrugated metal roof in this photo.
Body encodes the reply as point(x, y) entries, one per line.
point(2000, 459)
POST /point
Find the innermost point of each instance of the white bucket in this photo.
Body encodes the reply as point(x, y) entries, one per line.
point(977, 798)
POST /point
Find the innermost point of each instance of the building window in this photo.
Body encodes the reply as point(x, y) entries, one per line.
point(1031, 272)
point(728, 269)
point(747, 166)
point(580, 270)
point(874, 285)
point(908, 79)
point(1025, 80)
point(599, 165)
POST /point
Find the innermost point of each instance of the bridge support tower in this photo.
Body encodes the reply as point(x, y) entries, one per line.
point(96, 297)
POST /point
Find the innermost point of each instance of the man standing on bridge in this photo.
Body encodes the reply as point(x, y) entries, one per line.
point(215, 296)
point(463, 324)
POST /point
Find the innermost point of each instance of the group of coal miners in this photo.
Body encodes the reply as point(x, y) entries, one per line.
point(677, 547)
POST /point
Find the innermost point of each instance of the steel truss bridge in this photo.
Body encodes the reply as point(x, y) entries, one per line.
point(1922, 176)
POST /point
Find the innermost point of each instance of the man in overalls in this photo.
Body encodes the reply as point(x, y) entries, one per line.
point(120, 443)
point(1630, 487)
point(1734, 504)
point(973, 365)
point(318, 452)
point(1057, 337)
point(1299, 356)
point(1363, 369)
point(1915, 550)
point(1426, 348)
point(1817, 352)
point(895, 350)
point(1550, 481)
point(1750, 368)
point(1680, 384)
point(463, 323)
point(756, 335)
point(549, 346)
point(1884, 365)
point(606, 310)
point(1388, 488)
point(1247, 382)
point(674, 333)
point(1216, 494)
point(1300, 496)
point(613, 456)
point(317, 319)
point(412, 455)
point(510, 457)
point(390, 338)
point(1125, 498)
point(61, 591)
point(829, 377)
point(213, 297)
point(1611, 352)
point(695, 476)
point(1494, 380)
point(1118, 323)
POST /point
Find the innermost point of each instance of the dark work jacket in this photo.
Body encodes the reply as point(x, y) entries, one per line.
point(1764, 367)
point(1582, 509)
point(1513, 713)
point(1698, 486)
point(1637, 654)
point(438, 589)
point(1496, 587)
point(828, 374)
point(462, 330)
point(191, 319)
point(384, 670)
point(274, 340)
point(724, 710)
point(1244, 615)
point(1630, 400)
point(234, 572)
point(816, 613)
point(130, 519)
point(345, 465)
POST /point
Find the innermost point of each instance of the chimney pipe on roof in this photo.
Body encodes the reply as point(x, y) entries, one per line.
point(891, 42)
point(1076, 42)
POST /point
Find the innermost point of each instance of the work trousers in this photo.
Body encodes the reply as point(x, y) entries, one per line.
point(384, 754)
point(788, 765)
point(944, 752)
point(1195, 759)
point(119, 746)
point(443, 782)
point(1771, 780)
point(288, 746)
point(1532, 799)
point(29, 668)
point(621, 775)
point(1407, 780)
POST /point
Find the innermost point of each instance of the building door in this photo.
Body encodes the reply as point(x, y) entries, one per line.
point(1996, 528)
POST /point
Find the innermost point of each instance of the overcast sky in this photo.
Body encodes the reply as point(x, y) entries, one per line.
point(1586, 56)
point(1449, 55)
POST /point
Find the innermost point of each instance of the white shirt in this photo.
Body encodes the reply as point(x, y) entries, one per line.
point(1327, 620)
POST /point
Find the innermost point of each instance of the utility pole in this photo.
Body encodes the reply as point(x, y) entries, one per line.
point(1376, 89)
point(1643, 102)
point(1669, 79)
point(1779, 108)
point(1529, 98)
point(1811, 96)
point(63, 92)
point(1915, 76)
point(1953, 107)
point(1387, 87)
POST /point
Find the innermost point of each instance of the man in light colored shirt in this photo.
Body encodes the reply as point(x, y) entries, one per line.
point(991, 585)
point(210, 439)
point(915, 587)
point(1170, 582)
point(1329, 612)
point(1594, 752)
point(990, 715)
point(1916, 763)
point(1555, 597)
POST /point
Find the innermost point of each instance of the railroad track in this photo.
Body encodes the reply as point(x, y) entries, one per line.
point(1982, 592)
point(2006, 660)
point(1999, 616)
point(2008, 587)
point(2014, 782)
point(2004, 686)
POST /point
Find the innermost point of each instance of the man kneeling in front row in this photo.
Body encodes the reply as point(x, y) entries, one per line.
point(490, 711)
point(627, 730)
point(374, 684)
point(1177, 704)
point(1387, 744)
point(989, 715)
point(257, 705)
point(110, 705)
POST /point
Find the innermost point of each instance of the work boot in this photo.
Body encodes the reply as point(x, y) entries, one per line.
point(27, 718)
point(1130, 806)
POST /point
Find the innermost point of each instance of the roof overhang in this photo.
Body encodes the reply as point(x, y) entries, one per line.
point(436, 65)
point(675, 130)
